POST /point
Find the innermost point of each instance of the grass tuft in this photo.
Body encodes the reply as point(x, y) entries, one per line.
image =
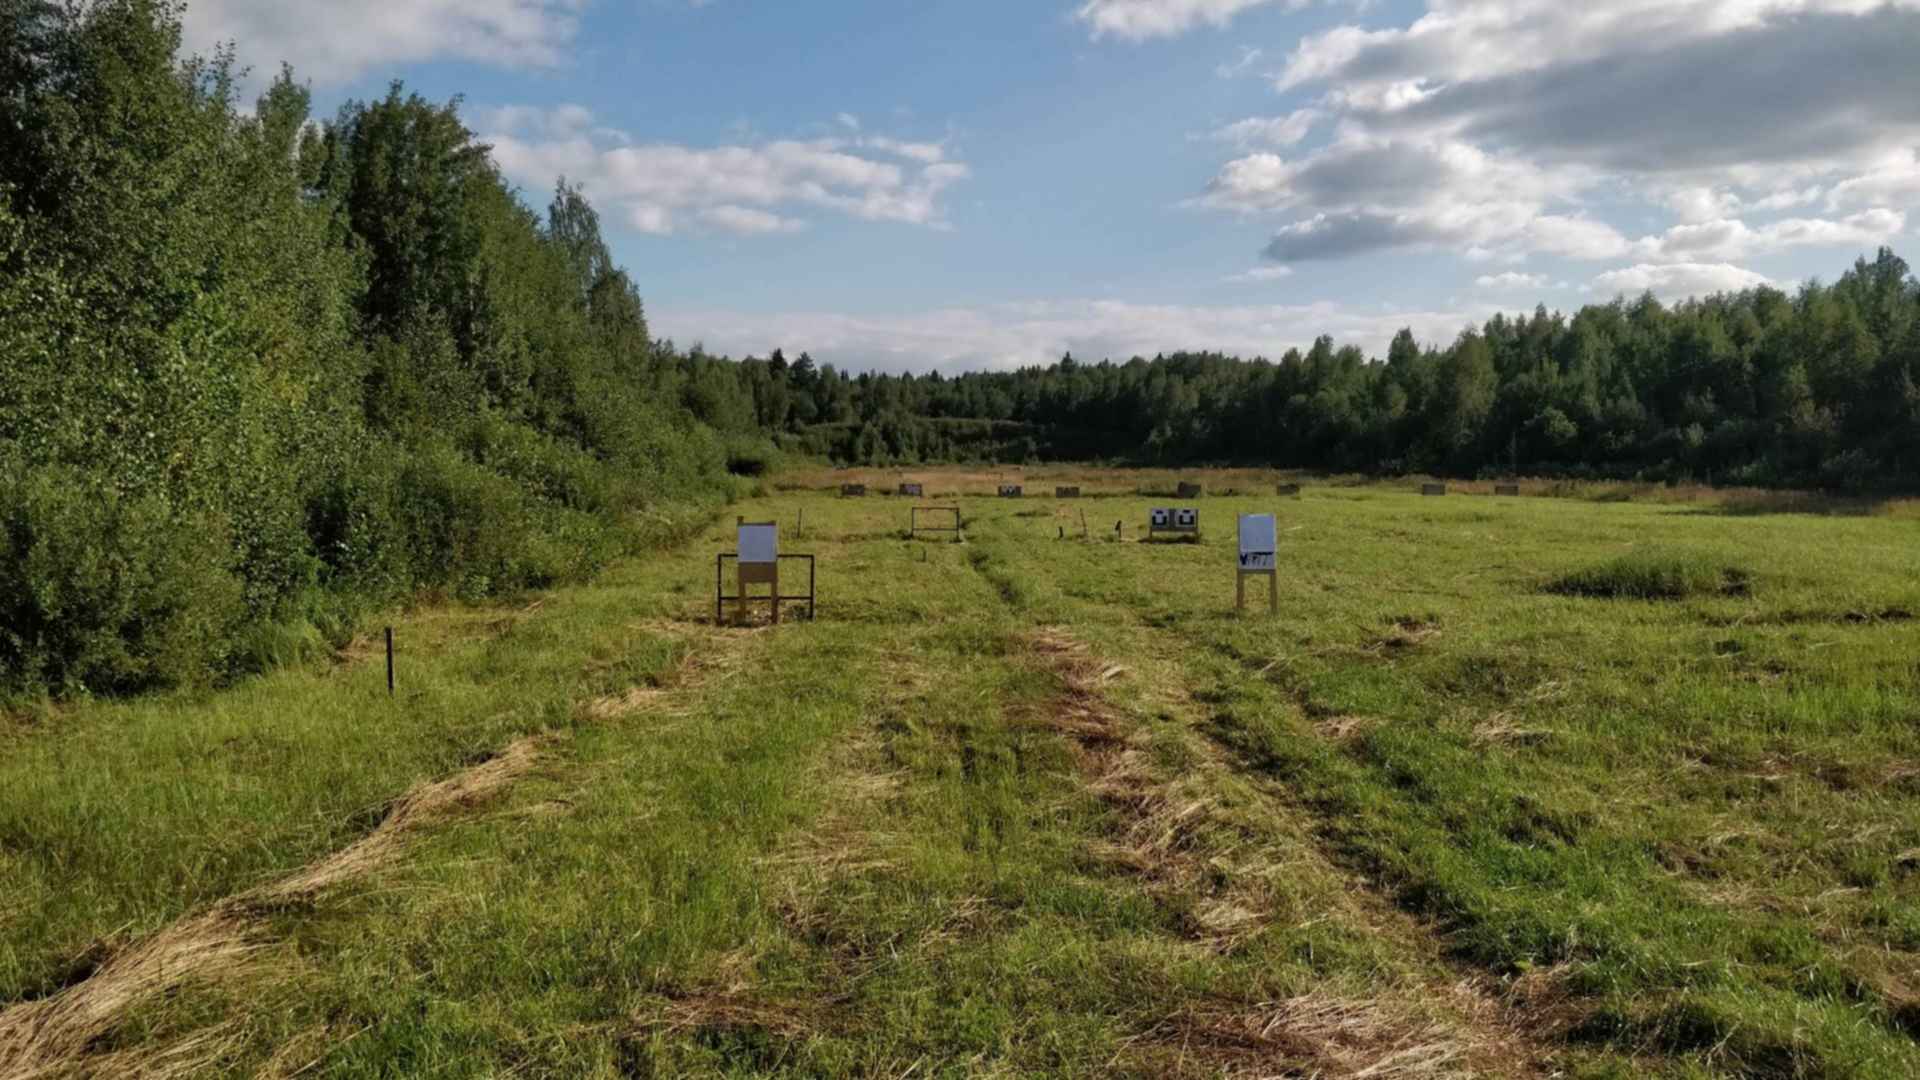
point(1657, 575)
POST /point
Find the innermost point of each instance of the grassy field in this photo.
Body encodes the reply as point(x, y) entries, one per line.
point(1615, 783)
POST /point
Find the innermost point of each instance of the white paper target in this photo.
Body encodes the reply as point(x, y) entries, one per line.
point(759, 543)
point(1186, 519)
point(1257, 541)
point(1161, 518)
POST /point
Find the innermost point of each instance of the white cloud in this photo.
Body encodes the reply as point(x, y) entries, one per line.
point(749, 189)
point(1362, 194)
point(1673, 281)
point(1495, 127)
point(1262, 273)
point(1893, 178)
point(1477, 40)
point(1138, 20)
point(1511, 281)
point(1280, 131)
point(1731, 238)
point(747, 221)
point(1013, 335)
point(1701, 203)
point(340, 40)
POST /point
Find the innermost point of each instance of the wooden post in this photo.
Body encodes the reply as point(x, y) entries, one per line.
point(389, 661)
point(1240, 589)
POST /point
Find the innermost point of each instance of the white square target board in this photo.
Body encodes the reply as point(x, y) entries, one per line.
point(759, 543)
point(1257, 542)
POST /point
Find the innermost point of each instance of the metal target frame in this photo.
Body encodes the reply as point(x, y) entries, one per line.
point(914, 528)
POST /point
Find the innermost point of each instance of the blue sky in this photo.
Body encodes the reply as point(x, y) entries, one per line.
point(981, 183)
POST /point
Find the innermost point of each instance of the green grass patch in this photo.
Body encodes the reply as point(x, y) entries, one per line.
point(907, 833)
point(1657, 575)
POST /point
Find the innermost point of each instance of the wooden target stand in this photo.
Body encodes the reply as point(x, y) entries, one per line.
point(1273, 589)
point(1258, 558)
point(758, 563)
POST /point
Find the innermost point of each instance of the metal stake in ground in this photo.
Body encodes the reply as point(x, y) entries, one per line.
point(389, 661)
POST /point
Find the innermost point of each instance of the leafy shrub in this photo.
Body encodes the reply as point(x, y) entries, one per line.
point(1656, 575)
point(750, 457)
point(476, 533)
point(105, 593)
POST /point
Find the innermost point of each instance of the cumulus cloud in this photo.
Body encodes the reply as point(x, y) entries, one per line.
point(748, 189)
point(1895, 178)
point(1672, 281)
point(340, 40)
point(1363, 194)
point(1494, 126)
point(1731, 238)
point(1796, 82)
point(1014, 335)
point(1138, 20)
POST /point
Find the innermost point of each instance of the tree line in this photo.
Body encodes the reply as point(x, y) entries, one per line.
point(260, 374)
point(1819, 387)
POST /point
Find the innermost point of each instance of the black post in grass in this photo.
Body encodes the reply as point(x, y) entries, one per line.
point(389, 661)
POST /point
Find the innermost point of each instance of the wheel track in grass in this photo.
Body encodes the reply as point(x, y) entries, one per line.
point(62, 1034)
point(1325, 1034)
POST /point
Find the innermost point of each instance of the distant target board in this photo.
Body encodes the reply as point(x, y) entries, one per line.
point(1258, 555)
point(1190, 491)
point(1011, 491)
point(915, 490)
point(1433, 489)
point(1066, 493)
point(1173, 520)
point(852, 491)
point(934, 519)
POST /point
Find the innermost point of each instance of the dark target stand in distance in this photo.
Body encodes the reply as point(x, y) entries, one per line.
point(1183, 520)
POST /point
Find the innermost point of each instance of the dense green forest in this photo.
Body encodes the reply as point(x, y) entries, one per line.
point(1818, 388)
point(260, 374)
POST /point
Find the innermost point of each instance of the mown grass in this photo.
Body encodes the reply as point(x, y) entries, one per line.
point(1033, 805)
point(1656, 575)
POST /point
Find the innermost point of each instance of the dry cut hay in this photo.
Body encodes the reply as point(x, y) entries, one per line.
point(54, 1036)
point(1180, 837)
point(1312, 1035)
point(1168, 826)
